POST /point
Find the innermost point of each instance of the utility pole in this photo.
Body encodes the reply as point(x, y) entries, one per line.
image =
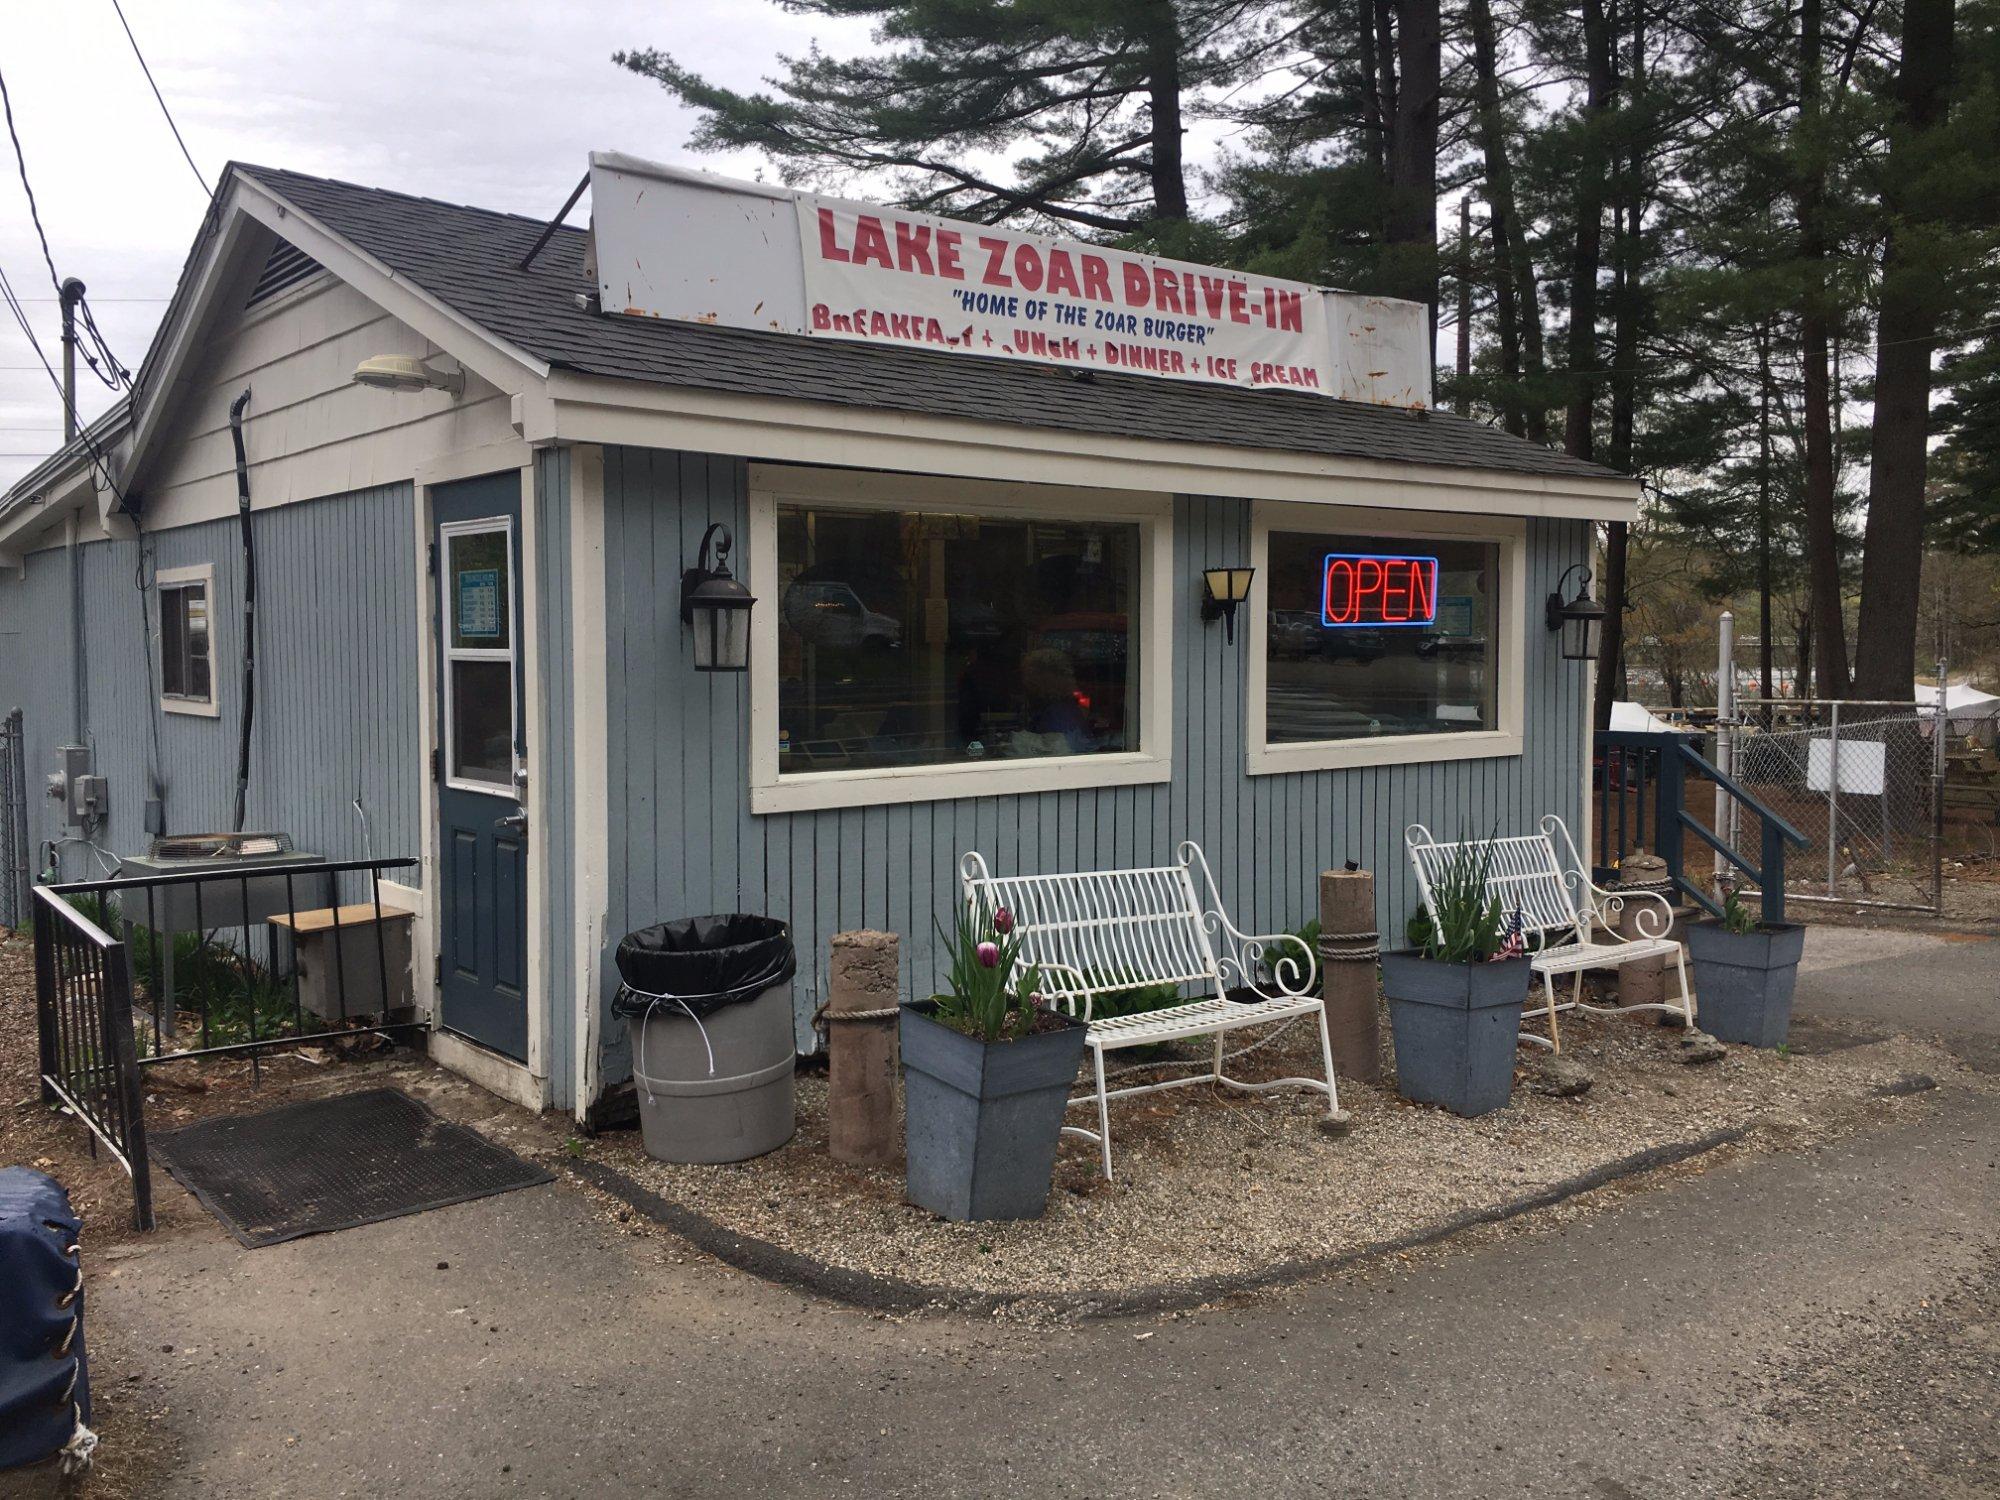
point(72, 293)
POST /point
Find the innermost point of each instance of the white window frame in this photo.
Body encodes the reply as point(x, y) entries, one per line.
point(511, 654)
point(773, 791)
point(1509, 642)
point(167, 580)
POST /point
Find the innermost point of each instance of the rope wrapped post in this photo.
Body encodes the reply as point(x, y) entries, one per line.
point(861, 1049)
point(1644, 981)
point(1348, 949)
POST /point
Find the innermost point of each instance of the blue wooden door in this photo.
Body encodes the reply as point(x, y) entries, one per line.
point(482, 829)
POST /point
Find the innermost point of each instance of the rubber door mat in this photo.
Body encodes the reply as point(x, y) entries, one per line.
point(333, 1163)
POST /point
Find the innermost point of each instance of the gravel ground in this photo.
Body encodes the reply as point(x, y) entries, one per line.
point(1217, 1184)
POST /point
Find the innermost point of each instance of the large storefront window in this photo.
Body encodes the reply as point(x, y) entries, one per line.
point(1373, 635)
point(911, 638)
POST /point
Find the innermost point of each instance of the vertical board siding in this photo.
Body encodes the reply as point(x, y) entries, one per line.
point(555, 766)
point(683, 840)
point(337, 714)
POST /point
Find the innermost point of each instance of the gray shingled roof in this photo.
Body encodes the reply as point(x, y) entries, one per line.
point(467, 259)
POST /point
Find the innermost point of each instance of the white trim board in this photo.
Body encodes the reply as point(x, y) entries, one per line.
point(587, 409)
point(590, 826)
point(773, 792)
point(1511, 535)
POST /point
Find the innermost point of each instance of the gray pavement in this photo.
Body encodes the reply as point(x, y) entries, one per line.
point(1825, 1321)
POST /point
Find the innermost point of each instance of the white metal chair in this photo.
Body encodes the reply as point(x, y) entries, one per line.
point(1576, 921)
point(1100, 932)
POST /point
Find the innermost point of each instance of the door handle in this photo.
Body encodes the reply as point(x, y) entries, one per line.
point(516, 823)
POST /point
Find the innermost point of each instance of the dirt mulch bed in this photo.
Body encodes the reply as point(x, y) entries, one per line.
point(1214, 1186)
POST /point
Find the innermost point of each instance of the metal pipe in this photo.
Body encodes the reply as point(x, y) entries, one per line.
point(1725, 712)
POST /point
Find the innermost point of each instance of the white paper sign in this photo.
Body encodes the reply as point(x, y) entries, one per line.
point(883, 276)
point(1863, 766)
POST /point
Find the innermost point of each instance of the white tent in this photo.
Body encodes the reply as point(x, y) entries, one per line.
point(1636, 718)
point(1966, 706)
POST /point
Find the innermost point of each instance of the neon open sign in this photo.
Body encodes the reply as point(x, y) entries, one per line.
point(1371, 589)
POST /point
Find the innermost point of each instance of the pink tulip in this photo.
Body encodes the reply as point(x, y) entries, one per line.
point(989, 955)
point(1003, 921)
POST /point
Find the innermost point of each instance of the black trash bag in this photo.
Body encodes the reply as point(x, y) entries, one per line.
point(703, 963)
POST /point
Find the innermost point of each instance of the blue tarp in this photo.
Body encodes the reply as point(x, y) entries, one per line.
point(44, 1387)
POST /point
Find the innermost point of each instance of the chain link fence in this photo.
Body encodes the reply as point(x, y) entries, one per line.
point(1865, 782)
point(14, 837)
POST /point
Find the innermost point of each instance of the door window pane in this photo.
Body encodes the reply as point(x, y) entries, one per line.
point(1370, 635)
point(482, 721)
point(480, 589)
point(928, 638)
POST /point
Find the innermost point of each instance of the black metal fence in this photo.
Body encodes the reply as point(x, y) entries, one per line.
point(15, 840)
point(134, 972)
point(89, 1062)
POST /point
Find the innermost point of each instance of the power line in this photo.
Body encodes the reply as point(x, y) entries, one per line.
point(207, 192)
point(93, 338)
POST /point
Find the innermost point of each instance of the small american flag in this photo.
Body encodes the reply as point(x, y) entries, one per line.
point(1516, 941)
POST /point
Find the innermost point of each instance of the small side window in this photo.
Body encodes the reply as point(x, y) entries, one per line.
point(187, 640)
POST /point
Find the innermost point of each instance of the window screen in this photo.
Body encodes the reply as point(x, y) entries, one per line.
point(184, 666)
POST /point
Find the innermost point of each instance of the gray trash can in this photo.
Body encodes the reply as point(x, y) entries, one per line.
point(709, 1004)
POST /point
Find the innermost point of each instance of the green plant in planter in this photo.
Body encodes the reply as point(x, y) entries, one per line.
point(1736, 917)
point(1464, 924)
point(990, 994)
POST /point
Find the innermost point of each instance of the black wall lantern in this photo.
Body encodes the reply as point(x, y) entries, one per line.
point(1579, 618)
point(717, 606)
point(1222, 590)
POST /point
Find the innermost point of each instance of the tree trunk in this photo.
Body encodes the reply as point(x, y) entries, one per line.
point(1464, 331)
point(1627, 289)
point(1822, 523)
point(1517, 312)
point(1374, 131)
point(1579, 436)
point(1892, 552)
point(1170, 197)
point(1413, 148)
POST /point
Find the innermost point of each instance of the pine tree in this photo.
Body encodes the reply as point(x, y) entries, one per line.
point(1083, 102)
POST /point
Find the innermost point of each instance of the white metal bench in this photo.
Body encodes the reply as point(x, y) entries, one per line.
point(1576, 921)
point(1104, 931)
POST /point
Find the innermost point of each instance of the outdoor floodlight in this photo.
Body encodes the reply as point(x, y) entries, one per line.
point(401, 372)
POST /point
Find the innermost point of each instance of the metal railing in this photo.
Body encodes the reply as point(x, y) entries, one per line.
point(83, 1013)
point(1661, 764)
point(211, 963)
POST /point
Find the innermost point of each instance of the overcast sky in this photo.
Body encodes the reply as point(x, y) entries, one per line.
point(490, 102)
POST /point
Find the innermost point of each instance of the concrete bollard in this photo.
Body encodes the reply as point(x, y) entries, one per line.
point(861, 1049)
point(1643, 982)
point(1348, 946)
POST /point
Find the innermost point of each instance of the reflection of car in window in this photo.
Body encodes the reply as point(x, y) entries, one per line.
point(830, 613)
point(1097, 647)
point(1294, 632)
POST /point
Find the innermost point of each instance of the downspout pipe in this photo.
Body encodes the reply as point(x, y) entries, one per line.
point(249, 608)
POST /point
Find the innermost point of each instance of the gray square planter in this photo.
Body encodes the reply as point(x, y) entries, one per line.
point(980, 1122)
point(1743, 982)
point(1455, 1027)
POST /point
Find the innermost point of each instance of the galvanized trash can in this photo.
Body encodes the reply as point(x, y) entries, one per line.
point(709, 1004)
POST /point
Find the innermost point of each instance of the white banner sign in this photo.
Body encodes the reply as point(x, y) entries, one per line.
point(881, 276)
